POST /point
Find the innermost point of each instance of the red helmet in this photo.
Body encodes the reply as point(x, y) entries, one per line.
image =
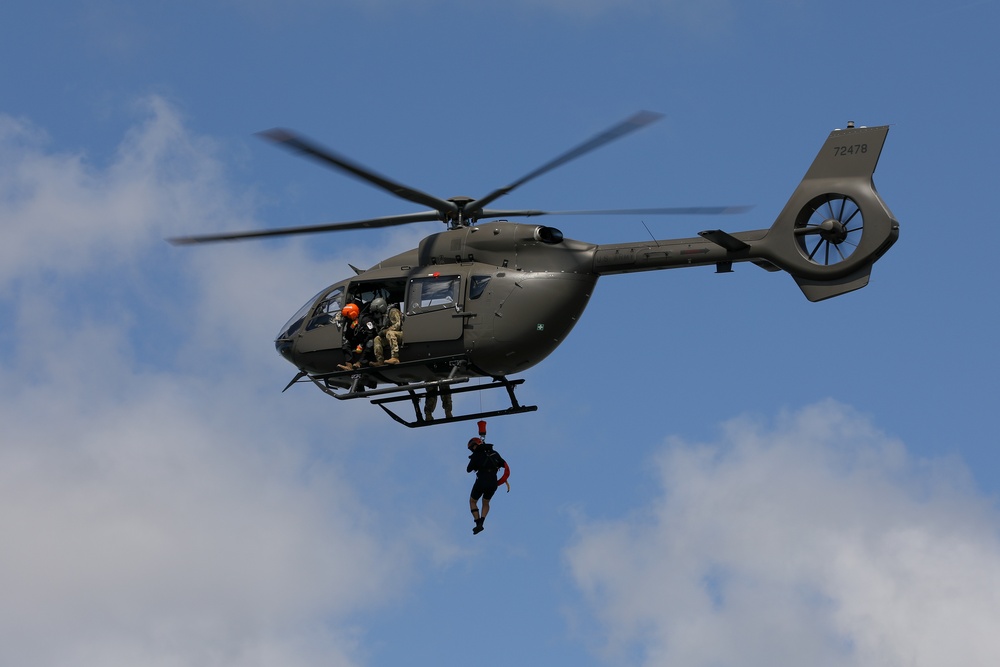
point(474, 442)
point(351, 311)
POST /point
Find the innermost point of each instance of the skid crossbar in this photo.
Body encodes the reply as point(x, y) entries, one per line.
point(414, 397)
point(413, 391)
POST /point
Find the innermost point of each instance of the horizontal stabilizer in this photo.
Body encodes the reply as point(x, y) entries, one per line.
point(766, 265)
point(721, 238)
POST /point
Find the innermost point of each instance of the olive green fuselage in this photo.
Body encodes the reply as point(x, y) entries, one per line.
point(499, 297)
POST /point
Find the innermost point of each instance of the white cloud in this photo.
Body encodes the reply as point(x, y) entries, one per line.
point(156, 525)
point(154, 508)
point(60, 213)
point(813, 541)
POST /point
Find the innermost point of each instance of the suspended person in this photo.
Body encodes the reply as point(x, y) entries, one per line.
point(389, 323)
point(359, 337)
point(485, 462)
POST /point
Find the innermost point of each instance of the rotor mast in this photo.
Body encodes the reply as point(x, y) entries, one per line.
point(457, 219)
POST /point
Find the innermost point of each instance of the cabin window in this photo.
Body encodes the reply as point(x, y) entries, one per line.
point(432, 293)
point(477, 285)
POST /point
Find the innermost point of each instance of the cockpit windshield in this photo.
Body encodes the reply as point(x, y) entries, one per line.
point(327, 310)
point(329, 305)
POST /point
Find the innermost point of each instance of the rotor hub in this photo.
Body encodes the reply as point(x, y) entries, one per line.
point(458, 217)
point(833, 230)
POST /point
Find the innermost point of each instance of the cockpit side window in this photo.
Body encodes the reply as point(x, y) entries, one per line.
point(432, 293)
point(477, 285)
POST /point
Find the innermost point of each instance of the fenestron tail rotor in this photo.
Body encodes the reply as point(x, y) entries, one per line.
point(829, 228)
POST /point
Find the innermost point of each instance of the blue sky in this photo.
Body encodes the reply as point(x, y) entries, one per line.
point(719, 473)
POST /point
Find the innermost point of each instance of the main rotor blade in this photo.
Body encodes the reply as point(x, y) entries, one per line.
point(385, 221)
point(298, 143)
point(635, 122)
point(687, 210)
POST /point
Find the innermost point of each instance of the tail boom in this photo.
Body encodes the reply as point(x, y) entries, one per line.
point(829, 234)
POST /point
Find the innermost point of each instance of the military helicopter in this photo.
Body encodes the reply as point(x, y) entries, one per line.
point(487, 298)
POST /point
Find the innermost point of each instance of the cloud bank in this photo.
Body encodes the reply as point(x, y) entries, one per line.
point(815, 540)
point(155, 509)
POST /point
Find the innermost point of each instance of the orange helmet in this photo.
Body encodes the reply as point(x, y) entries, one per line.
point(351, 311)
point(474, 441)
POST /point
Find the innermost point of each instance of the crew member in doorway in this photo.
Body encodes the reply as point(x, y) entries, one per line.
point(389, 323)
point(359, 337)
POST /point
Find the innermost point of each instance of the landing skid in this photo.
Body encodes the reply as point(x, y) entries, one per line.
point(362, 383)
point(414, 397)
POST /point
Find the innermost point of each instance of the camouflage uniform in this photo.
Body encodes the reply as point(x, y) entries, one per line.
point(432, 401)
point(391, 333)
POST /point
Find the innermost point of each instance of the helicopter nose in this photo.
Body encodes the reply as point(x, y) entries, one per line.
point(284, 348)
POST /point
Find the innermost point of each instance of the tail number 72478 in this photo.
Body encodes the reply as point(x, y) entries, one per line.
point(855, 149)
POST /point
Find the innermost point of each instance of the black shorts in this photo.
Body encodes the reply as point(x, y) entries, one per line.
point(484, 488)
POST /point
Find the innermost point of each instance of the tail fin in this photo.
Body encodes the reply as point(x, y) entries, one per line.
point(835, 225)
